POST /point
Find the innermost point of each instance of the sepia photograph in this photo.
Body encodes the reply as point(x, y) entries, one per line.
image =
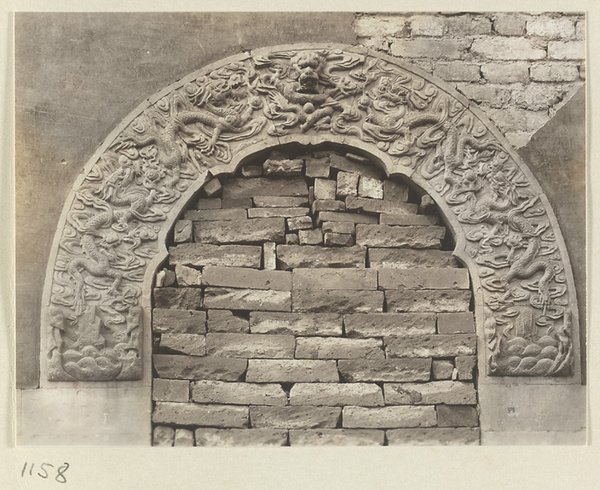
point(300, 231)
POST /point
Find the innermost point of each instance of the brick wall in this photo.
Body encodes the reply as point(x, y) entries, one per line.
point(308, 300)
point(519, 68)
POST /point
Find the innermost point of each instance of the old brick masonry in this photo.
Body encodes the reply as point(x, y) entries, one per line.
point(308, 301)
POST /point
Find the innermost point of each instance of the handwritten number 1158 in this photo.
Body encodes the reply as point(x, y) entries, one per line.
point(43, 473)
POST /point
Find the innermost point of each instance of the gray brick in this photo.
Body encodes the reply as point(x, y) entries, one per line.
point(184, 438)
point(346, 217)
point(427, 25)
point(334, 394)
point(370, 188)
point(283, 168)
point(338, 348)
point(381, 25)
point(254, 213)
point(355, 165)
point(388, 417)
point(347, 184)
point(422, 48)
point(294, 417)
point(215, 214)
point(247, 231)
point(240, 437)
point(300, 324)
point(338, 227)
point(182, 343)
point(327, 301)
point(379, 206)
point(455, 323)
point(468, 25)
point(325, 189)
point(178, 321)
point(515, 72)
point(187, 276)
point(212, 188)
point(327, 205)
point(202, 415)
point(279, 201)
point(317, 168)
point(457, 416)
point(247, 299)
point(163, 436)
point(423, 300)
point(566, 50)
point(269, 255)
point(242, 203)
point(225, 321)
point(552, 28)
point(364, 325)
point(326, 278)
point(170, 390)
point(509, 24)
point(291, 371)
point(465, 366)
point(214, 203)
point(310, 237)
point(250, 346)
point(300, 223)
point(180, 298)
point(200, 255)
point(247, 188)
point(408, 219)
point(433, 393)
point(399, 236)
point(247, 278)
point(337, 437)
point(554, 72)
point(431, 346)
point(433, 437)
point(407, 259)
point(401, 370)
point(394, 191)
point(457, 72)
point(425, 278)
point(338, 240)
point(507, 48)
point(238, 393)
point(188, 367)
point(182, 231)
point(442, 369)
point(296, 256)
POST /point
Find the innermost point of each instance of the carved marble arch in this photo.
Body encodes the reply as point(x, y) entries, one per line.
point(113, 228)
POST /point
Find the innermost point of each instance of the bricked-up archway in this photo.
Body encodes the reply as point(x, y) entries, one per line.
point(96, 306)
point(114, 222)
point(312, 300)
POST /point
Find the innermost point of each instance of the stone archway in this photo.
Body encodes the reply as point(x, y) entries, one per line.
point(96, 306)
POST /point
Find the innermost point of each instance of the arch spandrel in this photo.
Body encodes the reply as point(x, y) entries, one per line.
point(115, 222)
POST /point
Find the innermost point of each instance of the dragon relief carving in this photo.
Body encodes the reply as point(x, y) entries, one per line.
point(94, 318)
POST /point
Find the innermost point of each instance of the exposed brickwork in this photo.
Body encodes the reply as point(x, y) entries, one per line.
point(319, 307)
point(508, 50)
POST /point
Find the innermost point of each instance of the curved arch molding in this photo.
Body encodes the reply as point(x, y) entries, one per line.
point(114, 224)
